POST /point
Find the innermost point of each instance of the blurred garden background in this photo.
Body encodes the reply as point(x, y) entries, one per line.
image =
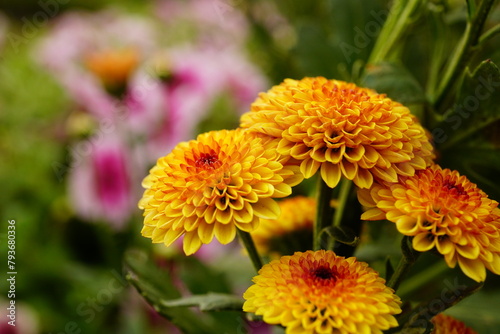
point(93, 92)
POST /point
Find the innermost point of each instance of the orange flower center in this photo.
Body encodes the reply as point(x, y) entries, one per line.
point(208, 161)
point(453, 189)
point(323, 273)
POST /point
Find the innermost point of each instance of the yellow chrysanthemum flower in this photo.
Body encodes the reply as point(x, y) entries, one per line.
point(293, 229)
point(320, 292)
point(341, 129)
point(441, 209)
point(210, 186)
point(444, 324)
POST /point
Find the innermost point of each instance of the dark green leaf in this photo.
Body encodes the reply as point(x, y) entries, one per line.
point(209, 302)
point(342, 234)
point(477, 106)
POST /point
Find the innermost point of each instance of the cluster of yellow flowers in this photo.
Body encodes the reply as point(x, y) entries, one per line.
point(228, 180)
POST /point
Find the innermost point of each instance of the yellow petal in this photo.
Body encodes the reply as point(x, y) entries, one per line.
point(309, 167)
point(373, 214)
point(250, 226)
point(422, 242)
point(191, 243)
point(468, 251)
point(245, 214)
point(225, 233)
point(363, 179)
point(266, 208)
point(224, 216)
point(172, 235)
point(330, 173)
point(349, 169)
point(473, 268)
point(206, 233)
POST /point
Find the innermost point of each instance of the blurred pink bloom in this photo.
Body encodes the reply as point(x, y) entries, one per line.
point(101, 184)
point(25, 318)
point(76, 36)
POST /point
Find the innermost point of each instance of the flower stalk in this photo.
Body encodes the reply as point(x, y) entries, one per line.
point(324, 214)
point(409, 257)
point(247, 241)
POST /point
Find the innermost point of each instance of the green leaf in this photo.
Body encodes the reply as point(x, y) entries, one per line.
point(342, 234)
point(479, 311)
point(209, 302)
point(157, 287)
point(477, 106)
point(395, 81)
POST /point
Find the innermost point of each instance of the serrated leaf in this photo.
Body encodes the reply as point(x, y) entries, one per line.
point(209, 302)
point(477, 106)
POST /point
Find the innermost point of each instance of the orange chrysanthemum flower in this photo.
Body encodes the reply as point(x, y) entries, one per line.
point(320, 292)
point(341, 129)
point(113, 67)
point(441, 209)
point(292, 230)
point(444, 324)
point(210, 186)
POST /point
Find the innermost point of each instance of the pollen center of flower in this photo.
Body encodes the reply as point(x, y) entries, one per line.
point(323, 273)
point(207, 161)
point(455, 189)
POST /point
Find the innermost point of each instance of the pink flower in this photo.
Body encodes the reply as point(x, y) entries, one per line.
point(101, 184)
point(88, 52)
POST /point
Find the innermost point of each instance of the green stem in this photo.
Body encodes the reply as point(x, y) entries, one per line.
point(345, 190)
point(247, 241)
point(489, 34)
point(463, 52)
point(323, 212)
point(409, 257)
point(394, 27)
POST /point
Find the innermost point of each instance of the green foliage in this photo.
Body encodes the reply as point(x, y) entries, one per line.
point(158, 288)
